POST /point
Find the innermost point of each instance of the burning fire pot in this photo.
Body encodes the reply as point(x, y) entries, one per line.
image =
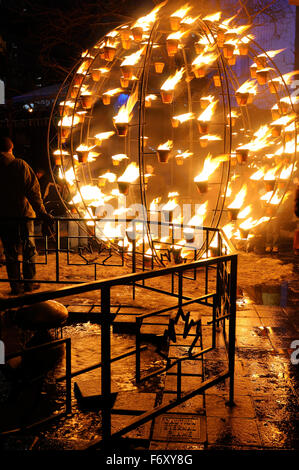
point(233, 213)
point(115, 100)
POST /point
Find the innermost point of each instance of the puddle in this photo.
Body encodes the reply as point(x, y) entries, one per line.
point(275, 295)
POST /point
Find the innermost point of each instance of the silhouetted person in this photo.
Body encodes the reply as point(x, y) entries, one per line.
point(20, 199)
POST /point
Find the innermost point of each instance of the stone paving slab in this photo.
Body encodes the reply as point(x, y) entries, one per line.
point(217, 405)
point(120, 421)
point(194, 405)
point(233, 431)
point(177, 427)
point(135, 401)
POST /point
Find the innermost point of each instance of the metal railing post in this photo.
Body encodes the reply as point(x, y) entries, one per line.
point(180, 290)
point(179, 380)
point(232, 328)
point(57, 247)
point(137, 363)
point(106, 362)
point(68, 374)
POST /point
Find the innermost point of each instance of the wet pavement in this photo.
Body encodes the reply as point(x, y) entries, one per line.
point(266, 411)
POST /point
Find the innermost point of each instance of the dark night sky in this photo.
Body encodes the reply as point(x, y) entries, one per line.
point(44, 38)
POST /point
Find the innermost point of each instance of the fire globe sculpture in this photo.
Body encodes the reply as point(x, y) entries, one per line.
point(155, 123)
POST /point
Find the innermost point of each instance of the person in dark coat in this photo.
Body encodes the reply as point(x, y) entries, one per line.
point(20, 199)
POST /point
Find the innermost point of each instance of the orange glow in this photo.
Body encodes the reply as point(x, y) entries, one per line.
point(210, 165)
point(173, 80)
point(239, 199)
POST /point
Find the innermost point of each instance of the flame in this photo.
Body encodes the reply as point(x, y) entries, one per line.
point(250, 223)
point(104, 135)
point(150, 97)
point(68, 176)
point(145, 21)
point(189, 20)
point(167, 146)
point(271, 54)
point(125, 113)
point(214, 17)
point(67, 104)
point(114, 91)
point(206, 40)
point(184, 117)
point(258, 175)
point(260, 140)
point(170, 205)
point(60, 152)
point(210, 137)
point(248, 87)
point(286, 172)
point(119, 157)
point(69, 121)
point(286, 78)
point(133, 58)
point(111, 231)
point(112, 34)
point(89, 193)
point(227, 21)
point(181, 12)
point(283, 121)
point(177, 35)
point(290, 99)
point(184, 155)
point(204, 59)
point(111, 177)
point(266, 197)
point(130, 174)
point(84, 148)
point(245, 212)
point(228, 230)
point(233, 114)
point(197, 219)
point(270, 174)
point(210, 165)
point(275, 200)
point(247, 39)
point(207, 114)
point(238, 30)
point(239, 199)
point(173, 80)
